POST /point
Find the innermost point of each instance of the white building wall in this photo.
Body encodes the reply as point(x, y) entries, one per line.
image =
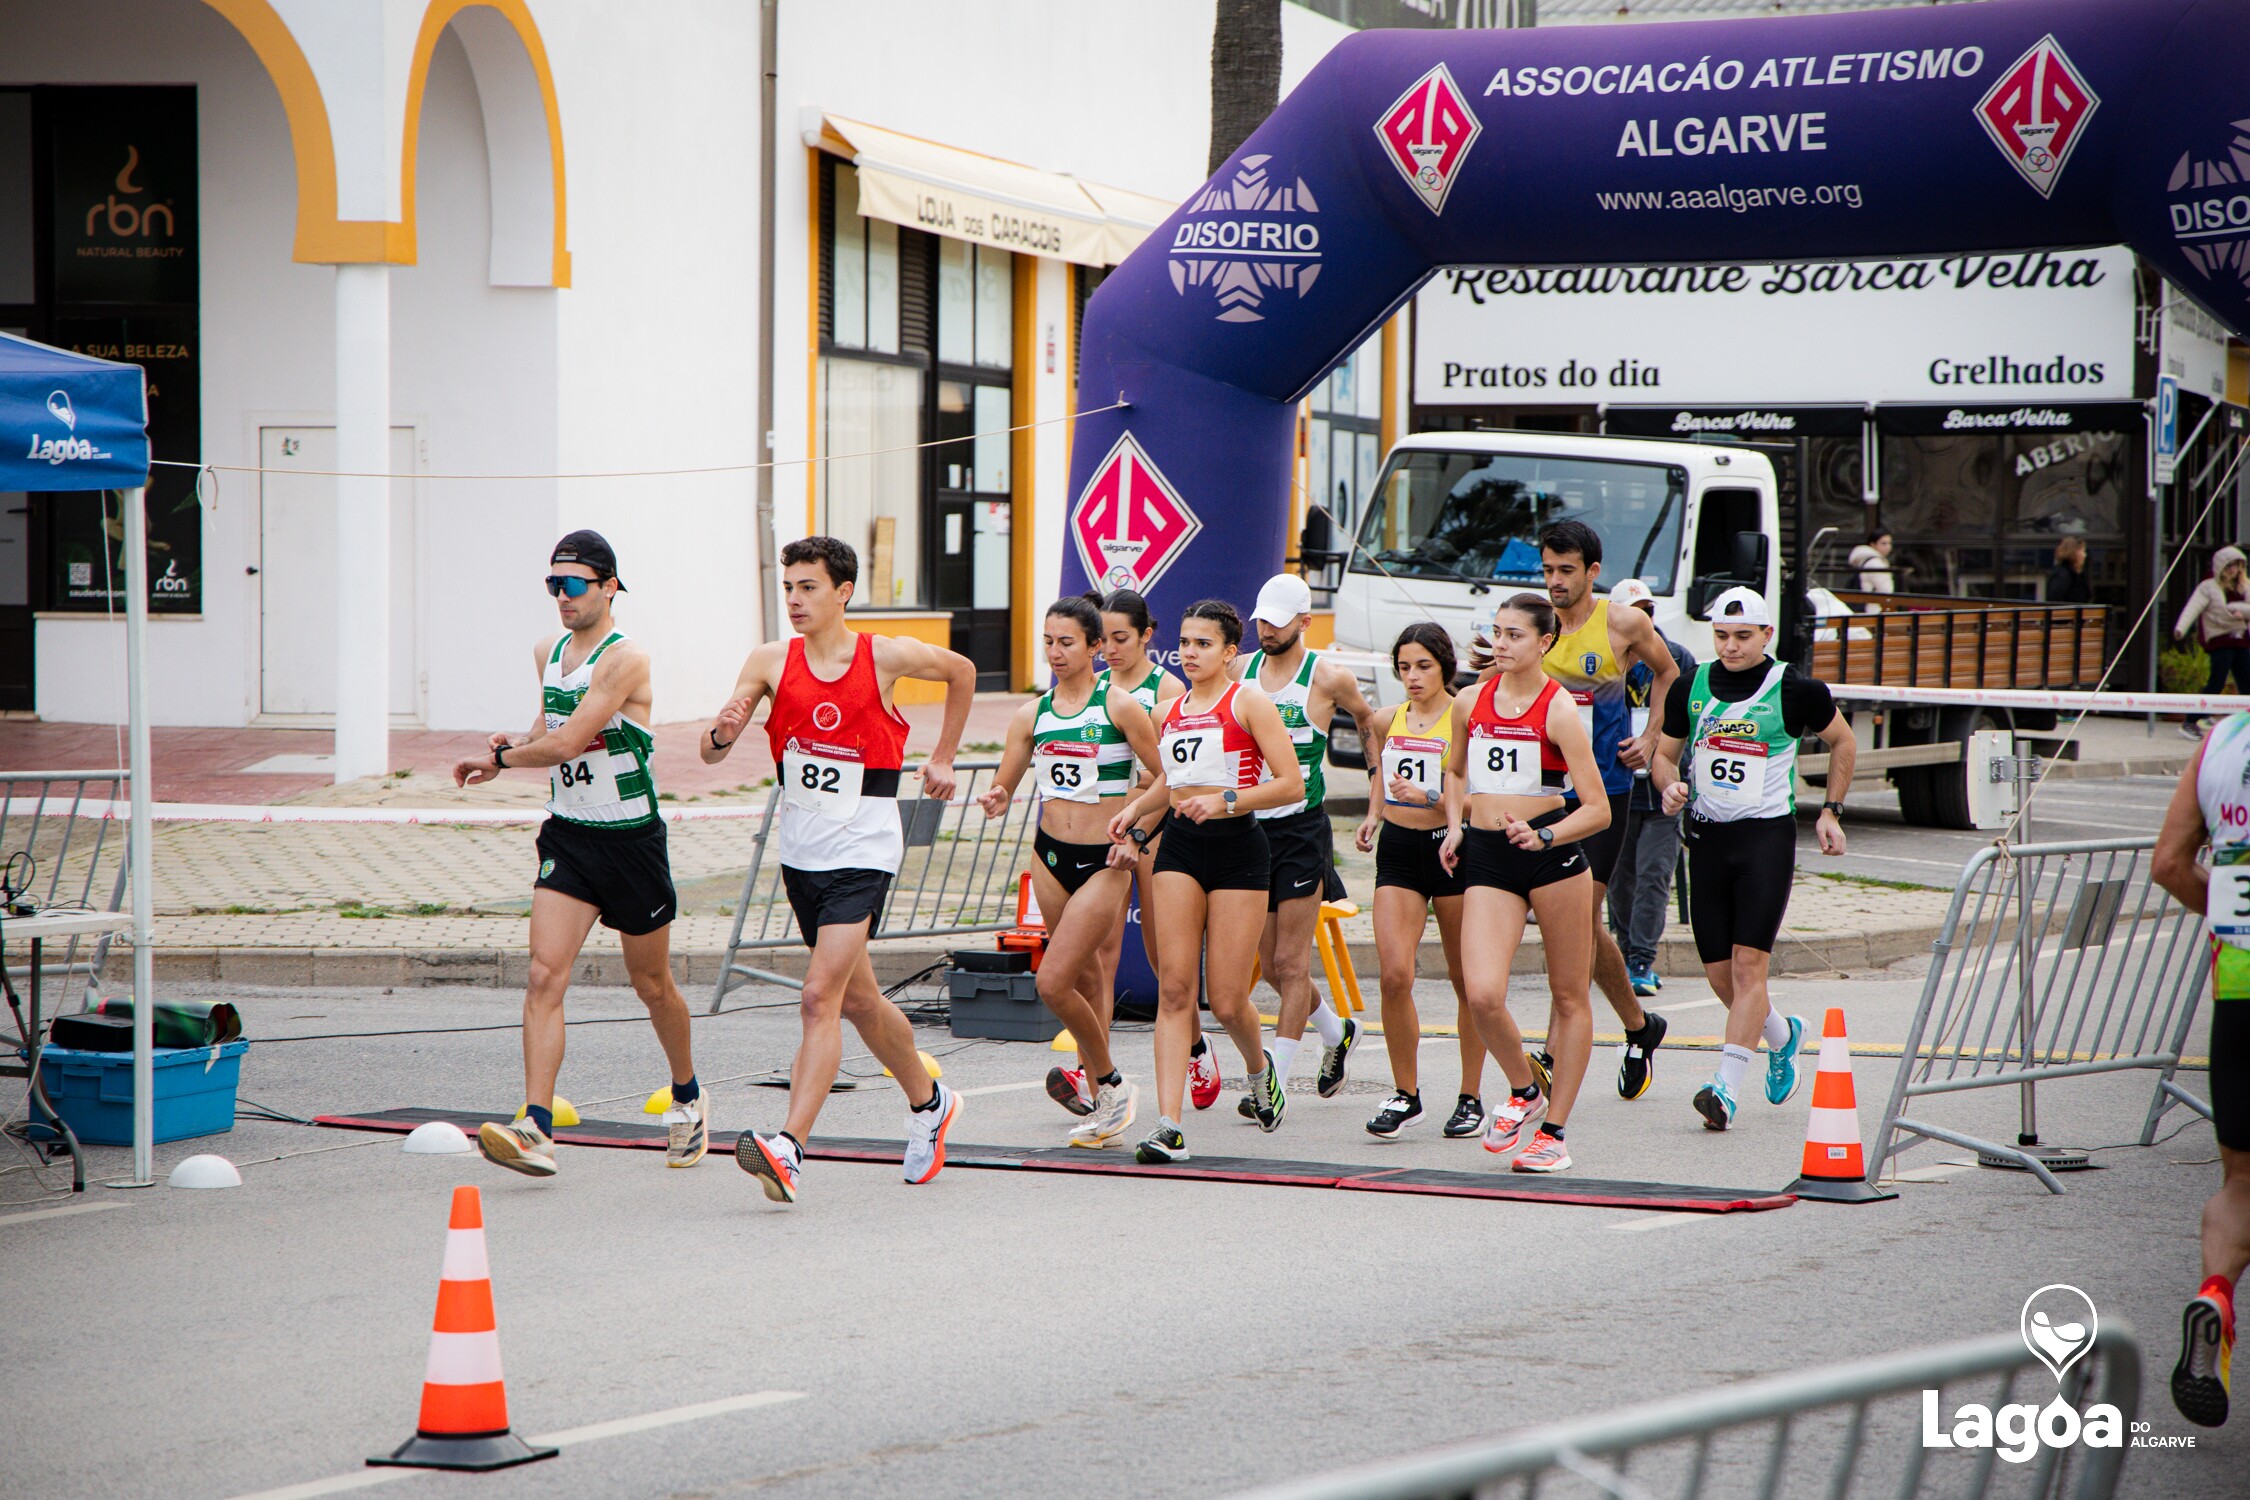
point(1117, 94)
point(648, 361)
point(657, 349)
point(266, 339)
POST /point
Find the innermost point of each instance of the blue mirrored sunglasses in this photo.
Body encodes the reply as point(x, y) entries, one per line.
point(574, 588)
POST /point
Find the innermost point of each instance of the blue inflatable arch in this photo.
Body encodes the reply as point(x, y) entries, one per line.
point(2009, 125)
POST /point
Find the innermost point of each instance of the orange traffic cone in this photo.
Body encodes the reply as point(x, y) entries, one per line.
point(1835, 1169)
point(464, 1423)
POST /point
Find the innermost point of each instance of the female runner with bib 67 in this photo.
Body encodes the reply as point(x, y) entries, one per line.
point(1220, 742)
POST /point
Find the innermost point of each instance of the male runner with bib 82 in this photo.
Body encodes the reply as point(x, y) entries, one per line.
point(839, 747)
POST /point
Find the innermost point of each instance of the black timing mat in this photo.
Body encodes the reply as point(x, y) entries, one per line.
point(1520, 1186)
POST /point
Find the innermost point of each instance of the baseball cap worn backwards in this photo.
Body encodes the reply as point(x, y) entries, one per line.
point(1740, 606)
point(588, 549)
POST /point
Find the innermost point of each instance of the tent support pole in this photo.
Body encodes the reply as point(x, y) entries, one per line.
point(141, 850)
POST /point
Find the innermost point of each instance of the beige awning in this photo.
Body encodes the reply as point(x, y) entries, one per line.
point(1127, 217)
point(968, 196)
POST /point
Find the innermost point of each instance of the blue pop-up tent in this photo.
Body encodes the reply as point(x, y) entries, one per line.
point(68, 422)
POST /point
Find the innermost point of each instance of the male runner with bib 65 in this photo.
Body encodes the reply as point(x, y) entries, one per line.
point(839, 747)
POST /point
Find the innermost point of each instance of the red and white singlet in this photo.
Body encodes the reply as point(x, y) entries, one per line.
point(1211, 748)
point(837, 748)
point(1511, 756)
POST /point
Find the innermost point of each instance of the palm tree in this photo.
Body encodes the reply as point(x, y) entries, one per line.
point(1245, 72)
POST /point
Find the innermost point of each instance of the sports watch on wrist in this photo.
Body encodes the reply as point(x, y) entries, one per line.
point(1139, 836)
point(1230, 796)
point(1546, 838)
point(498, 754)
point(1834, 810)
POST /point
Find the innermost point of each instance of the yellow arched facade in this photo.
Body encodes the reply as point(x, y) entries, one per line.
point(322, 237)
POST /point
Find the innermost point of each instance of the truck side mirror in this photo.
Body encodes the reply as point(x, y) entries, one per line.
point(1749, 558)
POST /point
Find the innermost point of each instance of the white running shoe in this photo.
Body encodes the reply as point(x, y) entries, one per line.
point(520, 1147)
point(687, 1131)
point(1112, 1116)
point(925, 1135)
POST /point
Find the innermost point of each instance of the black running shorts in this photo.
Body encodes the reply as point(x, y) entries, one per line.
point(1223, 854)
point(1738, 882)
point(1602, 849)
point(625, 873)
point(1303, 850)
point(834, 898)
point(1072, 865)
point(1409, 857)
point(2230, 1072)
point(1488, 858)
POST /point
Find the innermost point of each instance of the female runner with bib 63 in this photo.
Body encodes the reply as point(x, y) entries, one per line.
point(1516, 751)
point(1081, 740)
point(1220, 742)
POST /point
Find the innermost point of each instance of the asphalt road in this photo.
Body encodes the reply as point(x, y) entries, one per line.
point(1882, 846)
point(1000, 1334)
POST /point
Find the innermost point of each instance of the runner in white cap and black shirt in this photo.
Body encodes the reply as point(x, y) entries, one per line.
point(1742, 716)
point(1309, 691)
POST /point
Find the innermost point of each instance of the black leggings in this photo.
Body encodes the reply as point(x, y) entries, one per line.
point(1738, 882)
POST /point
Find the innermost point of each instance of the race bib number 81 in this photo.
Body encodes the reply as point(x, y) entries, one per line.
point(1503, 761)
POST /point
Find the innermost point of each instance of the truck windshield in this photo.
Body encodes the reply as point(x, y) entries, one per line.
point(1477, 516)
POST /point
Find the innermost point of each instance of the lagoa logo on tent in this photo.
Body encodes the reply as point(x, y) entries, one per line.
point(2059, 1324)
point(1427, 135)
point(63, 449)
point(1130, 524)
point(2211, 208)
point(1256, 241)
point(2037, 111)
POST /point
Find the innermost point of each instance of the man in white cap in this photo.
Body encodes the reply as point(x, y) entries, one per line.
point(1640, 885)
point(1743, 716)
point(1309, 691)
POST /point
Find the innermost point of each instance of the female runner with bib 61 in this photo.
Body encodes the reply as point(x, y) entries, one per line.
point(1517, 852)
point(1220, 742)
point(1080, 739)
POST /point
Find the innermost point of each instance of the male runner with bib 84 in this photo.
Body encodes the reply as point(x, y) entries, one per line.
point(601, 852)
point(840, 747)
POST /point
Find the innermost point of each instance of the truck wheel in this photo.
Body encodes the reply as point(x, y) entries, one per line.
point(1949, 785)
point(1917, 798)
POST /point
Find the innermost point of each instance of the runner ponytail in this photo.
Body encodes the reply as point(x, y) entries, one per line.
point(1533, 607)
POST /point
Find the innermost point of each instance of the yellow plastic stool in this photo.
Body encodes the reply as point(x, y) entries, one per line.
point(1335, 960)
point(1336, 957)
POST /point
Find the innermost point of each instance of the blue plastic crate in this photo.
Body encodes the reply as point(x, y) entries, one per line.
point(93, 1091)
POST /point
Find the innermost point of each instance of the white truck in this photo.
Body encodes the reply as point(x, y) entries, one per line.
point(1452, 528)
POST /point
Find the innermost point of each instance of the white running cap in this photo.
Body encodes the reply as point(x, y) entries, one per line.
point(1740, 606)
point(1631, 591)
point(1284, 597)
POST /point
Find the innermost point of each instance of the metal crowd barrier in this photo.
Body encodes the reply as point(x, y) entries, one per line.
point(2056, 961)
point(1811, 1433)
point(77, 861)
point(959, 876)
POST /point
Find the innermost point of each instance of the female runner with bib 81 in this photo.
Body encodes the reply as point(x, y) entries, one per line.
point(1081, 740)
point(1516, 752)
point(1220, 742)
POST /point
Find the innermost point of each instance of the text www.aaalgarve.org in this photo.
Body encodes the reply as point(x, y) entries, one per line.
point(1739, 200)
